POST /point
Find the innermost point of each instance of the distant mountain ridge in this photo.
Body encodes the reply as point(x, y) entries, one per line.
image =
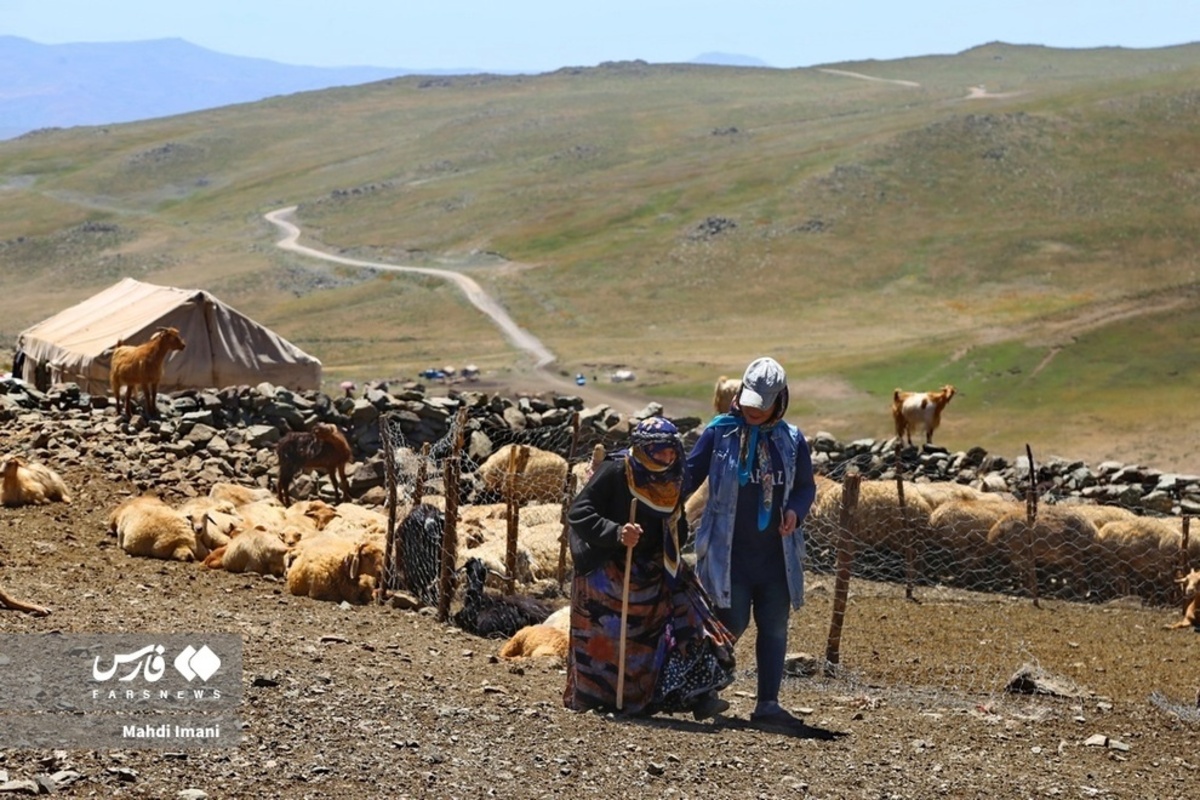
point(63, 85)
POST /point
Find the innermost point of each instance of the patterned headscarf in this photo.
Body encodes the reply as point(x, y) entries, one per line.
point(653, 478)
point(657, 481)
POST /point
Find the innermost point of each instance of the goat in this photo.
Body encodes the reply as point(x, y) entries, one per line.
point(1189, 582)
point(146, 526)
point(142, 365)
point(329, 568)
point(323, 449)
point(925, 408)
point(422, 532)
point(495, 616)
point(10, 602)
point(723, 393)
point(30, 484)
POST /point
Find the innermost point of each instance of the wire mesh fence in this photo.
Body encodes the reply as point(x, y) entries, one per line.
point(501, 495)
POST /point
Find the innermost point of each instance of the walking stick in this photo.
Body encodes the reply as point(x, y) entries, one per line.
point(625, 614)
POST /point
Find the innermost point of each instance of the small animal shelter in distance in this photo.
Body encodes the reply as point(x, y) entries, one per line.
point(224, 347)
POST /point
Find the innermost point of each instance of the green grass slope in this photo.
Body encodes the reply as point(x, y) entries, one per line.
point(1019, 221)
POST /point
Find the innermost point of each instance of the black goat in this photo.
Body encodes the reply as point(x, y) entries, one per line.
point(422, 532)
point(495, 616)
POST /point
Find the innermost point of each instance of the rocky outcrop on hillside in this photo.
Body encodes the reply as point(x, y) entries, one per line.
point(206, 436)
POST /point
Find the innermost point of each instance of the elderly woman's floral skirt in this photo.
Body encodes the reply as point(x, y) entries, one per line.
point(676, 650)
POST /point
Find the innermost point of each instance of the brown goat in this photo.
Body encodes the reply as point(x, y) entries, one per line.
point(142, 365)
point(910, 409)
point(1189, 582)
point(324, 449)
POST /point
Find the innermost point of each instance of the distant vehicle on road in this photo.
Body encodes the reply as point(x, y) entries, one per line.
point(579, 379)
point(433, 374)
point(622, 375)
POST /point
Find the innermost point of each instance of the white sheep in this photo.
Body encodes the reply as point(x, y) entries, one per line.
point(26, 483)
point(537, 475)
point(211, 520)
point(330, 568)
point(146, 526)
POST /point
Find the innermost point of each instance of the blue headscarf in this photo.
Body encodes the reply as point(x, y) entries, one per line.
point(754, 451)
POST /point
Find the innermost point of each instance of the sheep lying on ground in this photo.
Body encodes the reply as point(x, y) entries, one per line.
point(142, 365)
point(323, 449)
point(330, 568)
point(957, 548)
point(251, 550)
point(239, 495)
point(1142, 553)
point(146, 526)
point(877, 521)
point(1063, 544)
point(30, 484)
point(910, 409)
point(536, 641)
point(495, 616)
point(537, 476)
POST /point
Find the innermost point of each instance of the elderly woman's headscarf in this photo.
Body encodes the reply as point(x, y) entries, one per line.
point(653, 477)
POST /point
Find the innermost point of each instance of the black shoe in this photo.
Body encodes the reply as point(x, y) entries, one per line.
point(709, 705)
point(778, 720)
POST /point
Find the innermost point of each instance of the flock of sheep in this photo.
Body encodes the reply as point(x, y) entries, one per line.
point(939, 532)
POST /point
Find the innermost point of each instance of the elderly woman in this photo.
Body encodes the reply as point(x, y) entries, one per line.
point(677, 654)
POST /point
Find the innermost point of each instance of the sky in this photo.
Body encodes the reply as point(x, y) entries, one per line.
point(543, 35)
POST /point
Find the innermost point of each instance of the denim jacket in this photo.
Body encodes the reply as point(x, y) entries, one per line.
point(714, 535)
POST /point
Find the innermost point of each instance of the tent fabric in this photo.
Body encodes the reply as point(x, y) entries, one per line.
point(223, 346)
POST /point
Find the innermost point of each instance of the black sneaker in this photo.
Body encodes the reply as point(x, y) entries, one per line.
point(777, 719)
point(709, 705)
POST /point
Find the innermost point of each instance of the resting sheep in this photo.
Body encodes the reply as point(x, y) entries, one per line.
point(30, 484)
point(1062, 542)
point(495, 616)
point(910, 409)
point(323, 449)
point(329, 568)
point(253, 550)
point(146, 526)
point(538, 475)
point(142, 365)
point(536, 641)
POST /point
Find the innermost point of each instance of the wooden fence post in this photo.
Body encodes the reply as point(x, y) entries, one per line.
point(449, 553)
point(1031, 502)
point(847, 533)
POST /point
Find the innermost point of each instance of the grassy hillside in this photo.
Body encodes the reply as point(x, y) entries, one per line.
point(1020, 221)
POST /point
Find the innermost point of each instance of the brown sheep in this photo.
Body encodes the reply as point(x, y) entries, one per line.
point(958, 539)
point(1063, 542)
point(910, 409)
point(876, 520)
point(331, 568)
point(536, 641)
point(142, 365)
point(1142, 554)
point(323, 449)
point(30, 484)
point(538, 475)
point(146, 526)
point(254, 550)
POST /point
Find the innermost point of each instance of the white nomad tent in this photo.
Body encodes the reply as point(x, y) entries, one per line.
point(224, 347)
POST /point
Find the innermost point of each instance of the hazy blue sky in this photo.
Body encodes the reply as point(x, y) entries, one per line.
point(543, 35)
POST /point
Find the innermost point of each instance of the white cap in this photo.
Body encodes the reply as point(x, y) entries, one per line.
point(762, 383)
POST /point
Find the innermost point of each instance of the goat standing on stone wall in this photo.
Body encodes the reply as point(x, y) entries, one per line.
point(910, 409)
point(142, 365)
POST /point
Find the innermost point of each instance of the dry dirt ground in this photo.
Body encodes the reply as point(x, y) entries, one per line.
point(373, 702)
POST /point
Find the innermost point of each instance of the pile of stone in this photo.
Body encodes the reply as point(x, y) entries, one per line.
point(204, 436)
